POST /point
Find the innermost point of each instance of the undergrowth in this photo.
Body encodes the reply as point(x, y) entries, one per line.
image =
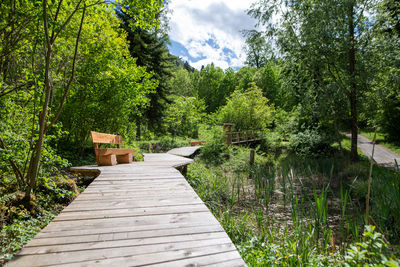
point(289, 210)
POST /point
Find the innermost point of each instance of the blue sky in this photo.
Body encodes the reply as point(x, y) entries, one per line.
point(208, 31)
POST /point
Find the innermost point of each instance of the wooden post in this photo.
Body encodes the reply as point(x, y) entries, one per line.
point(252, 157)
point(251, 163)
point(238, 137)
point(228, 133)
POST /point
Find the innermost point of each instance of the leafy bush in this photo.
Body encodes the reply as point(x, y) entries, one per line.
point(184, 115)
point(248, 110)
point(310, 142)
point(370, 251)
point(215, 151)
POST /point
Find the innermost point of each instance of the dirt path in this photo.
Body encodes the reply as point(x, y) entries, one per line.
point(382, 155)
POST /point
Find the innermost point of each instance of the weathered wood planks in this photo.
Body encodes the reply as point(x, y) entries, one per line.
point(188, 151)
point(144, 213)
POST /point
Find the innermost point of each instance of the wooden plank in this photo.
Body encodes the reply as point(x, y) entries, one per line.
point(188, 151)
point(44, 249)
point(114, 151)
point(49, 240)
point(109, 253)
point(183, 257)
point(133, 214)
point(106, 138)
point(130, 196)
point(229, 263)
point(132, 221)
point(208, 258)
point(48, 232)
point(118, 213)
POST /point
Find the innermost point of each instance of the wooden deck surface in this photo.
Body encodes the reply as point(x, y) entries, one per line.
point(188, 151)
point(144, 213)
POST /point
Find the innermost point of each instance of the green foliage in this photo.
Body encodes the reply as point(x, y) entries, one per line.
point(370, 251)
point(150, 49)
point(209, 87)
point(248, 110)
point(184, 115)
point(209, 186)
point(110, 88)
point(257, 50)
point(15, 235)
point(311, 142)
point(269, 80)
point(181, 83)
point(215, 150)
point(385, 201)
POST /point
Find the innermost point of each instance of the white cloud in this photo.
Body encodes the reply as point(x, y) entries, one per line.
point(194, 23)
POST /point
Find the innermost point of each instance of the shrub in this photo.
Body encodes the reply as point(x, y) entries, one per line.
point(184, 115)
point(248, 110)
point(215, 151)
point(310, 142)
point(370, 251)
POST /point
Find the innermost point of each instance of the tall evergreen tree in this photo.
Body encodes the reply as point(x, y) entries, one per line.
point(150, 49)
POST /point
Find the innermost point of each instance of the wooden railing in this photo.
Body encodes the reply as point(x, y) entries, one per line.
point(242, 137)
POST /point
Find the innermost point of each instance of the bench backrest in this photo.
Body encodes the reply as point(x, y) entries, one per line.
point(102, 138)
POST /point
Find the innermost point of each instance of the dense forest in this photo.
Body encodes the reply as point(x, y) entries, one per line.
point(324, 68)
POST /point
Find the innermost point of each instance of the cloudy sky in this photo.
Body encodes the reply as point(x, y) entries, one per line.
point(206, 31)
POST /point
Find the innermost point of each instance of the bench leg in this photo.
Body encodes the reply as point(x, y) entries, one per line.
point(127, 158)
point(109, 160)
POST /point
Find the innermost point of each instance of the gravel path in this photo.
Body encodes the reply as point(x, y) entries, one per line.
point(382, 155)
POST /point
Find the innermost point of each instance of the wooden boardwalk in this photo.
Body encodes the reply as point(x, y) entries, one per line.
point(188, 151)
point(139, 214)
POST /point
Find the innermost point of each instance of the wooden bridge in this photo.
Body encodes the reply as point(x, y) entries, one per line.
point(138, 214)
point(241, 138)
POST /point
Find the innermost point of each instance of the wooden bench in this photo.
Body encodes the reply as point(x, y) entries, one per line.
point(110, 156)
point(193, 143)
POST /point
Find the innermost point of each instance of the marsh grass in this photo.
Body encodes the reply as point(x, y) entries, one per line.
point(292, 211)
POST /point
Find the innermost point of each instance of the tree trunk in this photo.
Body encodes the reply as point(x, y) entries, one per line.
point(138, 129)
point(353, 86)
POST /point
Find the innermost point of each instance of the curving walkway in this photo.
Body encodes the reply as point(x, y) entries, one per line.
point(139, 214)
point(187, 151)
point(382, 155)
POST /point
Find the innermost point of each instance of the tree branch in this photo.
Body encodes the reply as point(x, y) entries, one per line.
point(66, 21)
point(17, 172)
point(72, 73)
point(56, 16)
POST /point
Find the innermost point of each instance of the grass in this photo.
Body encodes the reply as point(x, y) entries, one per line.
point(382, 140)
point(17, 224)
point(288, 210)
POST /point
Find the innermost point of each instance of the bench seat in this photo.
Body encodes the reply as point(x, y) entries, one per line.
point(110, 156)
point(116, 151)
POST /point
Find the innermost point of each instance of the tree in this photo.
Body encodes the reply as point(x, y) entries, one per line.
point(258, 51)
point(248, 110)
point(181, 83)
point(207, 82)
point(150, 49)
point(322, 43)
point(52, 69)
point(107, 83)
point(184, 115)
